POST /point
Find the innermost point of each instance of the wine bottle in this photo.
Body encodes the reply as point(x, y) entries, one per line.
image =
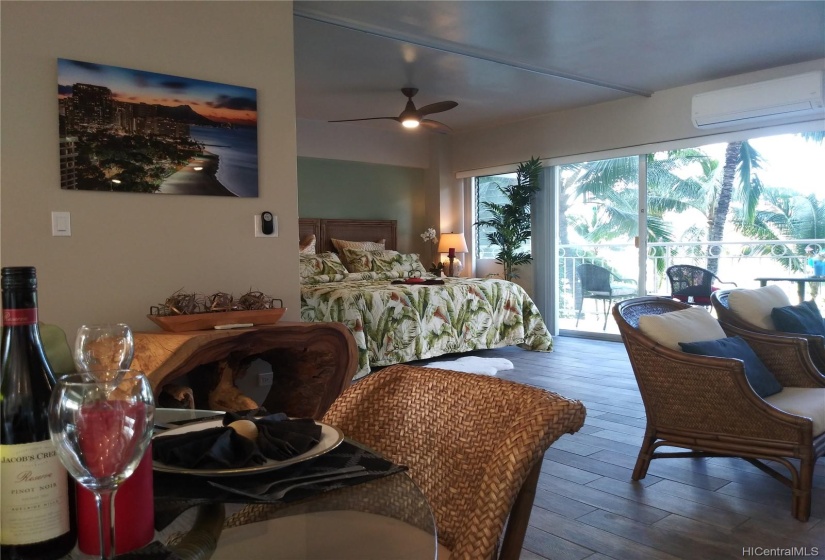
point(37, 514)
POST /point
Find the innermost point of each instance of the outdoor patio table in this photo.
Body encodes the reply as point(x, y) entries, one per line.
point(799, 280)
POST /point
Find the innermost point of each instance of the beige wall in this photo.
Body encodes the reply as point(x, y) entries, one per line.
point(435, 203)
point(633, 121)
point(331, 188)
point(368, 144)
point(130, 251)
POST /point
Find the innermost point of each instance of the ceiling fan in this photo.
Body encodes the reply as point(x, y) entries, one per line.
point(411, 117)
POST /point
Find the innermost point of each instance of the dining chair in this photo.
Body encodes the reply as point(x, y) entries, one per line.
point(692, 284)
point(473, 444)
point(597, 282)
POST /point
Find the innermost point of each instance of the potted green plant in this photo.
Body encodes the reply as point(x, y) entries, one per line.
point(510, 221)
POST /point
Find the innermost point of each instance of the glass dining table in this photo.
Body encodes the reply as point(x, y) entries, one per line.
point(379, 518)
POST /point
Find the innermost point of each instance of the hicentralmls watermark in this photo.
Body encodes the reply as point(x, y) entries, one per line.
point(791, 552)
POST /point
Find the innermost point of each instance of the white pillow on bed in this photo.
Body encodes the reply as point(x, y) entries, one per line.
point(383, 261)
point(320, 264)
point(341, 244)
point(307, 245)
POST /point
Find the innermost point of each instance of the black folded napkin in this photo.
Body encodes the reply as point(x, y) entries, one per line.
point(174, 493)
point(279, 438)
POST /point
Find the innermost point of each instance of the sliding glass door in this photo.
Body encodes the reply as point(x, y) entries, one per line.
point(598, 228)
point(742, 209)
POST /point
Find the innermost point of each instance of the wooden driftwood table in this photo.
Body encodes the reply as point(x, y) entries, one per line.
point(311, 364)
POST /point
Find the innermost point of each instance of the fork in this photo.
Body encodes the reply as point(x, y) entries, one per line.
point(262, 490)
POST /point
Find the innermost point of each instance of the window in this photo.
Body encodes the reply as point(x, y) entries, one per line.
point(488, 190)
point(765, 216)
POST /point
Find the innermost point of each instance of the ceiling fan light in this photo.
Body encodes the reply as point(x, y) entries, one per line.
point(410, 122)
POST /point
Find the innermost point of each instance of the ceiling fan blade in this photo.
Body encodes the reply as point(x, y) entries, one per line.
point(437, 107)
point(369, 119)
point(436, 126)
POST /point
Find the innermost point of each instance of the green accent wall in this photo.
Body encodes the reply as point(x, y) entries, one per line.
point(347, 189)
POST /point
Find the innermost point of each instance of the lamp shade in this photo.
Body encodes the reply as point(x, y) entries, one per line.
point(452, 241)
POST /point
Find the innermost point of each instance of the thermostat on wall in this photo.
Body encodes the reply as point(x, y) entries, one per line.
point(266, 225)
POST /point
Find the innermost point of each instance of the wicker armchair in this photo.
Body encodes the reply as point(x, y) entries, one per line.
point(706, 405)
point(473, 444)
point(728, 317)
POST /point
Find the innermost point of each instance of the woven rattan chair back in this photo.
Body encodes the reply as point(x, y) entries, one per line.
point(728, 317)
point(470, 442)
point(631, 310)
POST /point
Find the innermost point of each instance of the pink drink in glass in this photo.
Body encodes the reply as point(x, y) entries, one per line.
point(108, 431)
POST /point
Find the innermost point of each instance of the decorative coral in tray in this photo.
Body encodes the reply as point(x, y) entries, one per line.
point(192, 311)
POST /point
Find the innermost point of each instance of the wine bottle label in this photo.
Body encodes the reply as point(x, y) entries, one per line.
point(17, 317)
point(34, 493)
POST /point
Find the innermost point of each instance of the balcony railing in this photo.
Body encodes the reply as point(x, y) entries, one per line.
point(737, 261)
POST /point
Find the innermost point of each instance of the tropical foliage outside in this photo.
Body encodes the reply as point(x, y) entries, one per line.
point(741, 209)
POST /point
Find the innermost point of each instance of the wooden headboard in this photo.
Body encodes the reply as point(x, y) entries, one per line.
point(350, 230)
point(307, 227)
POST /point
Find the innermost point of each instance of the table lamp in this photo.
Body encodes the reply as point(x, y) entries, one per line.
point(452, 243)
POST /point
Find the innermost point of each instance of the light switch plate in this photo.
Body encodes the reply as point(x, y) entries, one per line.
point(259, 233)
point(61, 224)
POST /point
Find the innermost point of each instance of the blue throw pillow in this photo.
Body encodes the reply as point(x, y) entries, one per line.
point(761, 379)
point(801, 319)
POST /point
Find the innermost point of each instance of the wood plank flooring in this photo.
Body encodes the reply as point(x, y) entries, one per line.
point(588, 507)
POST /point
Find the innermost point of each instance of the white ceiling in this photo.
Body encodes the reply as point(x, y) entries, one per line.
point(504, 61)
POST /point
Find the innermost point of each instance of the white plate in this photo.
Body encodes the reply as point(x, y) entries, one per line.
point(169, 416)
point(330, 438)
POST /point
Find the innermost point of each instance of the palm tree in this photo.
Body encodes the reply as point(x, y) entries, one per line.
point(785, 215)
point(611, 186)
point(740, 157)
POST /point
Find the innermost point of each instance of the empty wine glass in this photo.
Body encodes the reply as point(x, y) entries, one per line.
point(104, 347)
point(101, 425)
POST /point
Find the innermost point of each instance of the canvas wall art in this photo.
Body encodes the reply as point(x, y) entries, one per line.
point(126, 130)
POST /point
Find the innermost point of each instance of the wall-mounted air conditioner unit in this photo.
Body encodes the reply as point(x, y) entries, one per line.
point(763, 101)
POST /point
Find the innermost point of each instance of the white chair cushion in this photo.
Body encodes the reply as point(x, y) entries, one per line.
point(687, 325)
point(802, 401)
point(755, 306)
point(620, 290)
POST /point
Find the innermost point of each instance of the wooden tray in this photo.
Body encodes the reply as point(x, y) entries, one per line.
point(206, 321)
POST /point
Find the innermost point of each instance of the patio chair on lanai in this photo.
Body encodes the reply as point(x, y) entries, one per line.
point(600, 283)
point(692, 284)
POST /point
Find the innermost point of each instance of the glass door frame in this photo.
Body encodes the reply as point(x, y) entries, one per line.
point(545, 243)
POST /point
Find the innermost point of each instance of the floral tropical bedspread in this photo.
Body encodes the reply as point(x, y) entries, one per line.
point(395, 323)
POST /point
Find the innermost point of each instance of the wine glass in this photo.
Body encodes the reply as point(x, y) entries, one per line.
point(104, 347)
point(101, 424)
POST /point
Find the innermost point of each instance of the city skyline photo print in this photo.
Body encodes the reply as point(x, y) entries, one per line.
point(126, 130)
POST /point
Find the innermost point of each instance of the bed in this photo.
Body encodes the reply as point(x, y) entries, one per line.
point(397, 322)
